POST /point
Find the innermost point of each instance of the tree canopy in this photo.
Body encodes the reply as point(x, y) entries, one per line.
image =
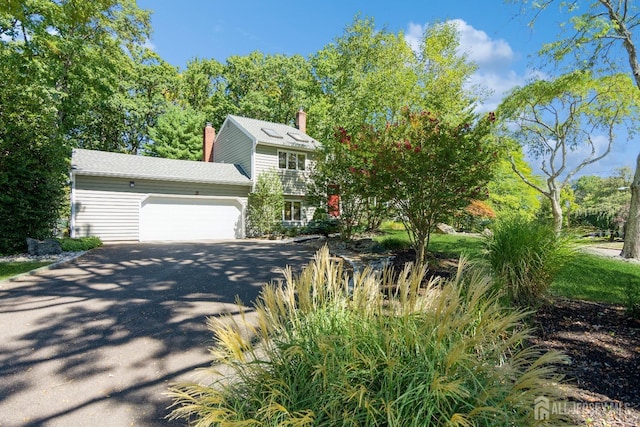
point(554, 119)
point(68, 72)
point(600, 37)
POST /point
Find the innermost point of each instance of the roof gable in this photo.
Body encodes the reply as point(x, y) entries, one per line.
point(269, 133)
point(102, 163)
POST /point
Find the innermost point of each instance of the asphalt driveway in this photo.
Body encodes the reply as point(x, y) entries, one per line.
point(97, 342)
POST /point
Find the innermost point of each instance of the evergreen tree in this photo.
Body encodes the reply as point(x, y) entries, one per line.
point(177, 135)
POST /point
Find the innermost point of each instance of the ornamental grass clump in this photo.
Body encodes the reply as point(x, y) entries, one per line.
point(323, 349)
point(524, 257)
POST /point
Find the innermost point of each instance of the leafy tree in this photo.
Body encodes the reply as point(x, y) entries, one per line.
point(603, 202)
point(203, 88)
point(366, 77)
point(428, 167)
point(67, 69)
point(553, 119)
point(338, 172)
point(601, 37)
point(271, 87)
point(177, 135)
point(33, 157)
point(508, 194)
point(474, 217)
point(143, 98)
point(265, 204)
point(84, 49)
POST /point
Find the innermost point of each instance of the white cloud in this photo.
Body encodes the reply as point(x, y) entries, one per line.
point(413, 35)
point(487, 53)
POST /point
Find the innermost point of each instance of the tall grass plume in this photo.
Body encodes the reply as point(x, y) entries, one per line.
point(324, 349)
point(524, 257)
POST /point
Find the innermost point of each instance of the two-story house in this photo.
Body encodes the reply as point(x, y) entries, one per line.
point(121, 197)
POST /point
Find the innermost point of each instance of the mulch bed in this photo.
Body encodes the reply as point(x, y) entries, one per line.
point(602, 343)
point(438, 266)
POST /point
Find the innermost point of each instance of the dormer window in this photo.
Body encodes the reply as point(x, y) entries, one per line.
point(291, 161)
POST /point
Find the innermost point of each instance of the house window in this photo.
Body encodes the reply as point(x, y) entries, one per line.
point(291, 161)
point(292, 211)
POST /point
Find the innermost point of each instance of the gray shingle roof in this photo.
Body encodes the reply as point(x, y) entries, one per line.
point(255, 129)
point(102, 163)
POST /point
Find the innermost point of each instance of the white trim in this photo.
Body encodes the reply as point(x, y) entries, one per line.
point(287, 160)
point(253, 173)
point(161, 178)
point(288, 146)
point(72, 220)
point(302, 216)
point(191, 196)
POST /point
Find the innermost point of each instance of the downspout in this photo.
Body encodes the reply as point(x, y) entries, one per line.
point(72, 220)
point(252, 172)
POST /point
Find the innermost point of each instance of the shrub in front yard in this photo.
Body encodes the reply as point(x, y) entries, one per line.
point(632, 299)
point(79, 244)
point(323, 350)
point(395, 243)
point(524, 257)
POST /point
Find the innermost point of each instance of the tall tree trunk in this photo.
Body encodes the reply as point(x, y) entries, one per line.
point(631, 248)
point(556, 210)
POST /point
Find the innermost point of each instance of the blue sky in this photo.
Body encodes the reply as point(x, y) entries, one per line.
point(494, 35)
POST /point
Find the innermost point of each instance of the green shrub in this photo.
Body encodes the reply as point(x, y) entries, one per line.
point(80, 243)
point(324, 226)
point(322, 350)
point(265, 205)
point(632, 299)
point(293, 231)
point(524, 257)
point(394, 243)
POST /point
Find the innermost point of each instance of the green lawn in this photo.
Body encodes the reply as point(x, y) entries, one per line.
point(9, 269)
point(588, 277)
point(450, 245)
point(595, 278)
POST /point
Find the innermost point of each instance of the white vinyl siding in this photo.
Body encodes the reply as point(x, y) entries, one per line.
point(233, 146)
point(111, 215)
point(110, 207)
point(294, 182)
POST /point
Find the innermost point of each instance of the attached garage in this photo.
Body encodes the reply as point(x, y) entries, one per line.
point(120, 197)
point(189, 218)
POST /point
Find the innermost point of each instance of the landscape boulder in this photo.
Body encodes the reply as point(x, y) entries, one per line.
point(443, 228)
point(43, 247)
point(487, 233)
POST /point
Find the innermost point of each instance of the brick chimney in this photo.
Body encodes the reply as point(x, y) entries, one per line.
point(301, 120)
point(208, 137)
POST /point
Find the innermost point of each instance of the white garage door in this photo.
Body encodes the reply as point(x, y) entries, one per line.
point(179, 218)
